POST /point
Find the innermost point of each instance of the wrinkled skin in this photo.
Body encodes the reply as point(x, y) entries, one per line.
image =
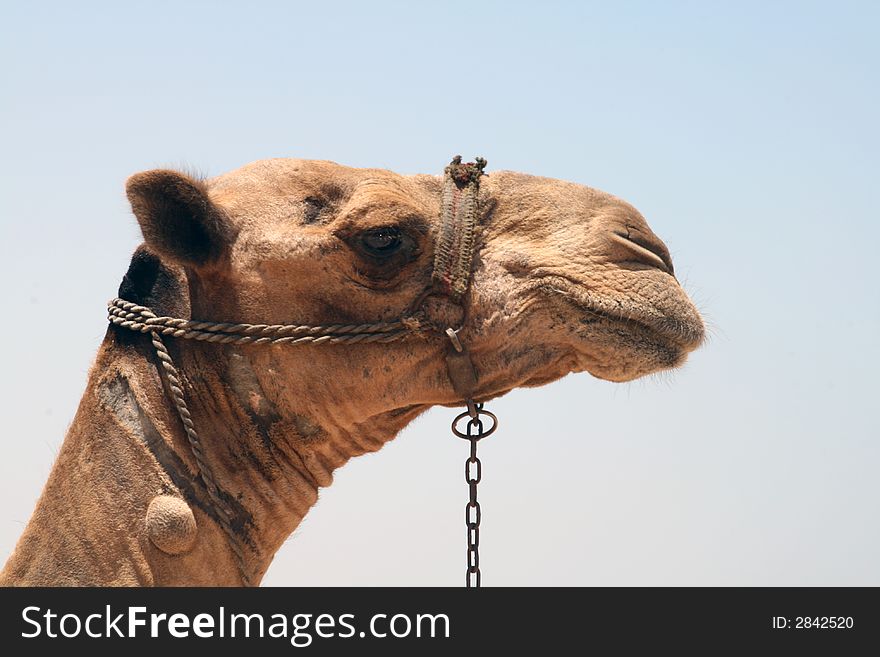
point(565, 279)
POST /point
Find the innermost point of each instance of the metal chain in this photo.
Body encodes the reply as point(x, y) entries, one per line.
point(473, 474)
point(472, 508)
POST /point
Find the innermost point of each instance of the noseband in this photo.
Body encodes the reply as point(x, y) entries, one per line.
point(453, 263)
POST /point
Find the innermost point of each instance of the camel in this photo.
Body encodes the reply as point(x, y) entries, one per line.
point(564, 279)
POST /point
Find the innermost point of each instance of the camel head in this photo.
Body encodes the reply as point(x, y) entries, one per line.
point(565, 279)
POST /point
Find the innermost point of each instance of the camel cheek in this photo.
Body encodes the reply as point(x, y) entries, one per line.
point(171, 525)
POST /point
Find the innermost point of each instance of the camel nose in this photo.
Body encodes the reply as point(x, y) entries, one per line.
point(644, 247)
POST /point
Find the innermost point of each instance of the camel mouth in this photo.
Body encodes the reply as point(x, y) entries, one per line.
point(670, 331)
point(680, 333)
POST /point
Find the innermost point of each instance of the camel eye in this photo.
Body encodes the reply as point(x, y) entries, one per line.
point(381, 242)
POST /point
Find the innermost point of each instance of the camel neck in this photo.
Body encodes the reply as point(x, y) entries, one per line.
point(125, 447)
point(268, 451)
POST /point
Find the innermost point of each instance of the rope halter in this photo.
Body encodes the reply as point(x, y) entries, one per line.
point(453, 262)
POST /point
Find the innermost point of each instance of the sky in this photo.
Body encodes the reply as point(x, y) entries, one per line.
point(747, 135)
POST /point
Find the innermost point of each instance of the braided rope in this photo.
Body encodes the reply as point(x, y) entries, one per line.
point(225, 511)
point(456, 239)
point(138, 318)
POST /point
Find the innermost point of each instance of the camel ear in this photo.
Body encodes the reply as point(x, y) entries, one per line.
point(177, 219)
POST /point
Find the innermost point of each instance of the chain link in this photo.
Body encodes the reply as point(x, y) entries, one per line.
point(473, 474)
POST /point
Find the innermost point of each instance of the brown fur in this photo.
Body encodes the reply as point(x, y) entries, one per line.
point(566, 279)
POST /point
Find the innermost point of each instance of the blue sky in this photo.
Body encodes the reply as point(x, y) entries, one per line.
point(745, 132)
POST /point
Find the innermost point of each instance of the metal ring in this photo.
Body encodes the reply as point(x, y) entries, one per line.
point(464, 415)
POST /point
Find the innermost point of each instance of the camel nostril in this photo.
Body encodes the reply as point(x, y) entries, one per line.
point(650, 252)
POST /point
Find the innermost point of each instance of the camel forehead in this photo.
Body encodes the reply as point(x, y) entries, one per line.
point(255, 185)
point(284, 177)
point(298, 172)
point(523, 188)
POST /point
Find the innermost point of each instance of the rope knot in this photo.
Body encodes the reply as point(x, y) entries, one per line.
point(412, 324)
point(469, 172)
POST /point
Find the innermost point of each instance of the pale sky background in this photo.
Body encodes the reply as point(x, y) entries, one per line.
point(746, 133)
